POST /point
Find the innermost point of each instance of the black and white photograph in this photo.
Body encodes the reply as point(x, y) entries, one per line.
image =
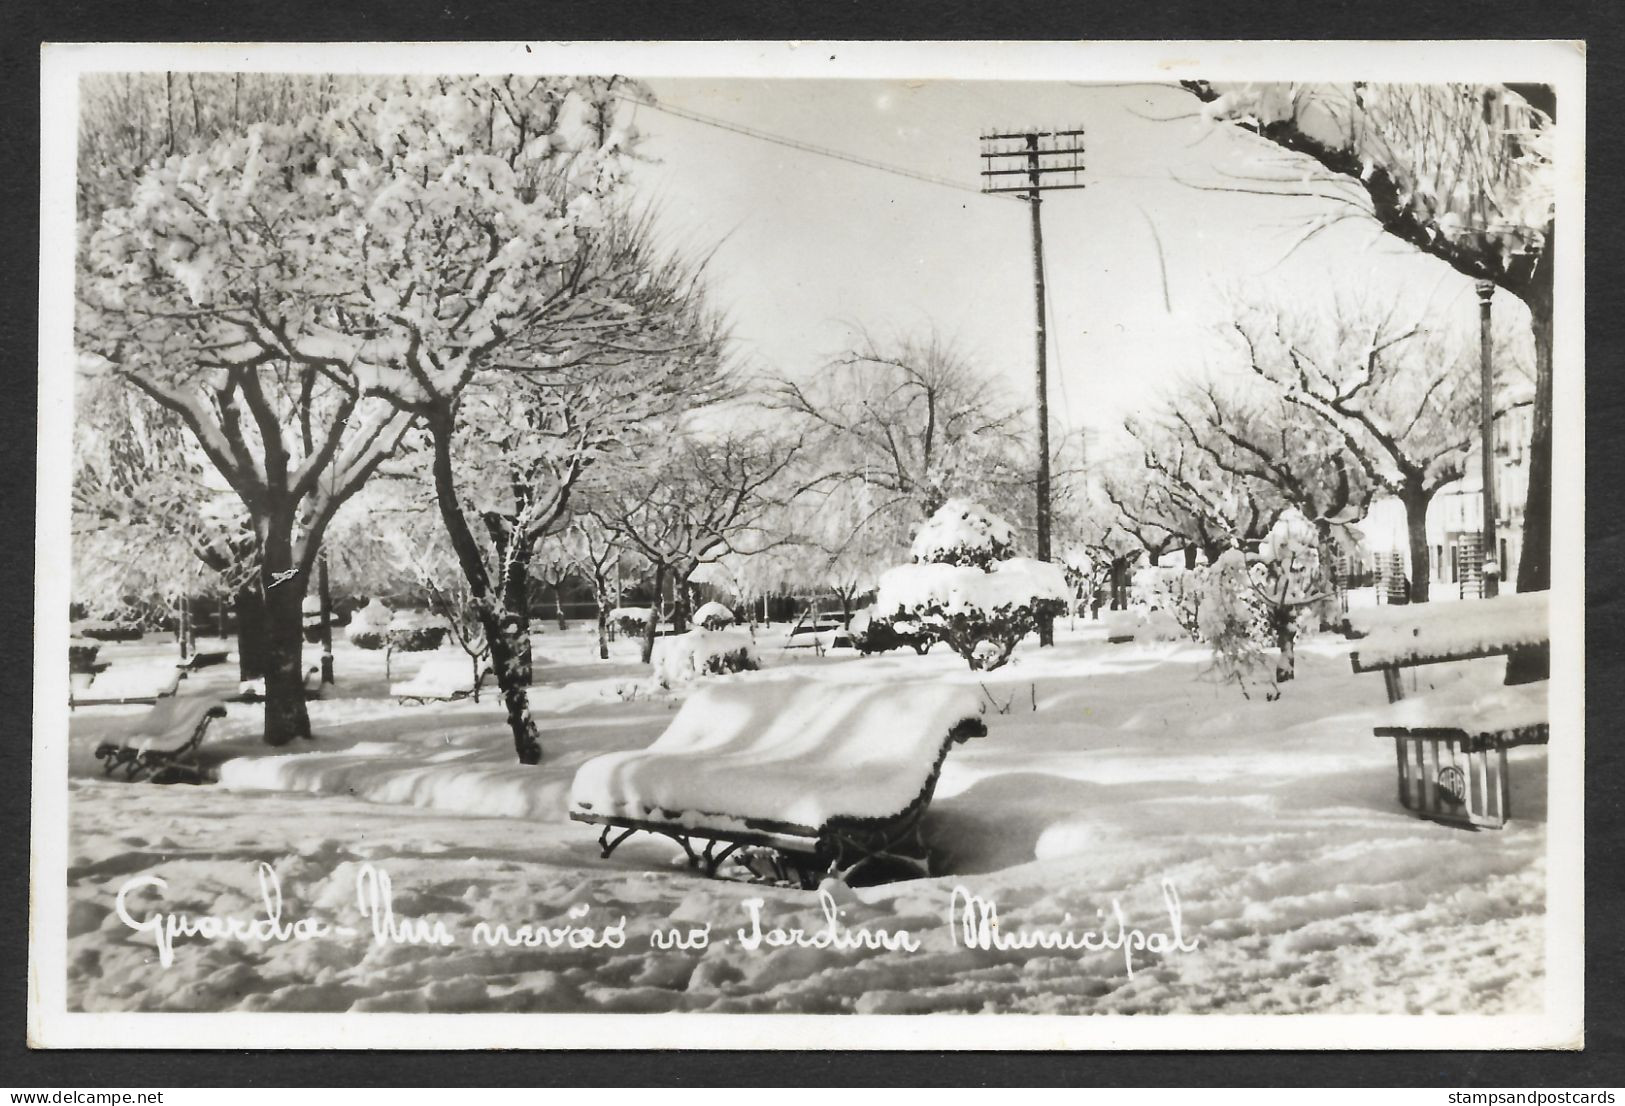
point(969, 538)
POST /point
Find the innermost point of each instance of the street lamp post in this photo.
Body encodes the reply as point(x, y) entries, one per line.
point(1486, 427)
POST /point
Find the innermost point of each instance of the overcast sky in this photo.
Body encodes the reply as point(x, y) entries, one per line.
point(810, 245)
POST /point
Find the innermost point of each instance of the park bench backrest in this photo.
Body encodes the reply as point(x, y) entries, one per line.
point(174, 716)
point(1434, 633)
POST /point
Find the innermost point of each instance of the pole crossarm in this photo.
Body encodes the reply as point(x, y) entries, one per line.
point(1028, 188)
point(1053, 161)
point(1030, 134)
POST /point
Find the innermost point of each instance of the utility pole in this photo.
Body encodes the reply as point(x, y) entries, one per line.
point(1049, 156)
point(1486, 433)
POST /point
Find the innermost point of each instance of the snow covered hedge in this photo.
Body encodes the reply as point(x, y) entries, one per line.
point(966, 589)
point(683, 657)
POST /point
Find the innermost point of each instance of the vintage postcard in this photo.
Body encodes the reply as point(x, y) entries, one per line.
point(810, 545)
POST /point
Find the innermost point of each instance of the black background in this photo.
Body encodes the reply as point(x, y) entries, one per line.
point(24, 26)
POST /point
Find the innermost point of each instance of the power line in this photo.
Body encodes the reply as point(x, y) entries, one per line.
point(798, 144)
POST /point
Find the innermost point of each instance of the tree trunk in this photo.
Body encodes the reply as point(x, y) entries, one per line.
point(510, 660)
point(183, 625)
point(509, 651)
point(326, 594)
point(516, 605)
point(603, 630)
point(251, 645)
point(1286, 637)
point(1535, 561)
point(1416, 532)
point(654, 616)
point(285, 714)
point(558, 605)
point(679, 605)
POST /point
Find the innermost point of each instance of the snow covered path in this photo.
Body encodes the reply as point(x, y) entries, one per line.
point(1303, 883)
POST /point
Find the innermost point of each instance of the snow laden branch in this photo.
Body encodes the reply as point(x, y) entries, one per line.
point(1399, 401)
point(694, 500)
point(910, 418)
point(1463, 173)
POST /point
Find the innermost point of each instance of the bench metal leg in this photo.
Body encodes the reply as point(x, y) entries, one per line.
point(606, 846)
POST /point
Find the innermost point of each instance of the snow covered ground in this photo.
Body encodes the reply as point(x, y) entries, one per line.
point(1112, 776)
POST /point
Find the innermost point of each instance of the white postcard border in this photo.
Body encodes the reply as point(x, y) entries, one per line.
point(1558, 63)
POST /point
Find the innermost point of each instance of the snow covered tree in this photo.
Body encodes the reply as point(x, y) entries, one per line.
point(390, 251)
point(968, 589)
point(600, 558)
point(1463, 173)
point(552, 566)
point(199, 293)
point(851, 537)
point(694, 500)
point(1260, 438)
point(629, 345)
point(1171, 484)
point(1402, 400)
point(913, 420)
point(149, 526)
point(419, 547)
point(427, 239)
point(1290, 461)
point(128, 120)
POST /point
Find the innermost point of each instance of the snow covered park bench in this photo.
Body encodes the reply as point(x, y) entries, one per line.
point(1451, 746)
point(805, 776)
point(149, 751)
point(253, 691)
point(199, 660)
point(124, 684)
point(445, 676)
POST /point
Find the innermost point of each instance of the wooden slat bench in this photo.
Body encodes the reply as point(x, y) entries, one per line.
point(149, 751)
point(1450, 751)
point(792, 778)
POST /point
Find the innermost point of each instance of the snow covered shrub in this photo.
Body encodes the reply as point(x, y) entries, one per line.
point(1174, 590)
point(1246, 608)
point(1231, 621)
point(966, 589)
point(367, 626)
point(630, 621)
point(1160, 625)
point(415, 639)
point(1288, 579)
point(366, 639)
point(714, 616)
point(881, 635)
point(684, 657)
point(961, 533)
